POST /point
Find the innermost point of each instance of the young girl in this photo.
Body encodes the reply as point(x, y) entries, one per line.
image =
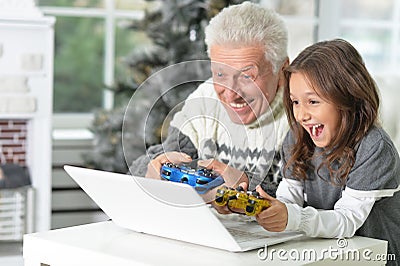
point(342, 171)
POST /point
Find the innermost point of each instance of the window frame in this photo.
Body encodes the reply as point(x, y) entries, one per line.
point(110, 15)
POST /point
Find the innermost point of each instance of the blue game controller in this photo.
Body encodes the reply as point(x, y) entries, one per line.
point(202, 179)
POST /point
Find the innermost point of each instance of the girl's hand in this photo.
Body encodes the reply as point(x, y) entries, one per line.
point(275, 218)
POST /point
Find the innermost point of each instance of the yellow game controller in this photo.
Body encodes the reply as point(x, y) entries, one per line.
point(250, 202)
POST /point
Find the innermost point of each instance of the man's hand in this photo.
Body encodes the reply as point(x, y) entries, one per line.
point(153, 168)
point(274, 218)
point(231, 176)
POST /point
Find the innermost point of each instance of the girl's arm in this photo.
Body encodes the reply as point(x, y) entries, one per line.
point(286, 213)
point(290, 191)
point(349, 213)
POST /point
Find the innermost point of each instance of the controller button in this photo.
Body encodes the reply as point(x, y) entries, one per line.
point(165, 172)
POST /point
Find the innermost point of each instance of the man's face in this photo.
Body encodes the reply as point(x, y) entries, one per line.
point(244, 81)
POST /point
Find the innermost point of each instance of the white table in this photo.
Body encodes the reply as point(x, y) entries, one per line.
point(105, 243)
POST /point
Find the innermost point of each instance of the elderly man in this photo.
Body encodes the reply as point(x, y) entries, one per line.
point(235, 121)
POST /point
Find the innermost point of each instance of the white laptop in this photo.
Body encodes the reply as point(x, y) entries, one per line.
point(170, 210)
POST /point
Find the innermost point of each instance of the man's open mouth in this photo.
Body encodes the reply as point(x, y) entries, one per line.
point(239, 103)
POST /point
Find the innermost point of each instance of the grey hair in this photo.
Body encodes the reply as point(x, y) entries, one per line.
point(250, 24)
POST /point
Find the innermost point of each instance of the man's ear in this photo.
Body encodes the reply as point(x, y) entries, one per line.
point(282, 82)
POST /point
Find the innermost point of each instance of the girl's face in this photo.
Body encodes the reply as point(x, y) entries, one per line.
point(318, 117)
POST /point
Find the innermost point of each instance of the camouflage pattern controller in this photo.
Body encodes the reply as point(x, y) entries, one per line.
point(250, 202)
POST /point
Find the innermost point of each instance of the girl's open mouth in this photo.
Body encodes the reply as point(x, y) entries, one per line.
point(316, 130)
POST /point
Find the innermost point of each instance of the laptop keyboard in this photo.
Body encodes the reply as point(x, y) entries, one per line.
point(243, 236)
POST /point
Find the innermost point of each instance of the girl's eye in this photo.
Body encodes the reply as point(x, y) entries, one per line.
point(313, 102)
point(295, 102)
point(219, 74)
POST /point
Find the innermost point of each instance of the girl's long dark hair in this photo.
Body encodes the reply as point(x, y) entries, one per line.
point(337, 73)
